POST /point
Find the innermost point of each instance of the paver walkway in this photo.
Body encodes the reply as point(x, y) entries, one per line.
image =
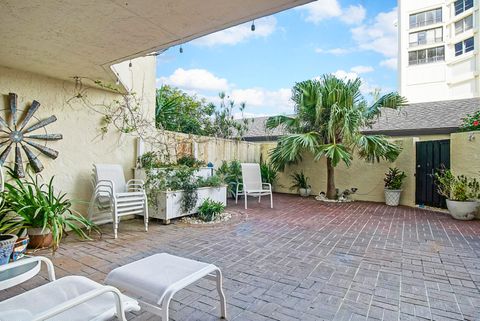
point(305, 260)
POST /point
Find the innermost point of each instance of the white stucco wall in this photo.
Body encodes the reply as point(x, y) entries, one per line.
point(82, 144)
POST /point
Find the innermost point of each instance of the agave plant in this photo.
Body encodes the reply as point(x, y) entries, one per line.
point(37, 204)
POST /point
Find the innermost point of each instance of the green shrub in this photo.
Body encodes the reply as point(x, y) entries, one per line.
point(209, 210)
point(471, 122)
point(269, 174)
point(299, 180)
point(394, 178)
point(231, 175)
point(212, 181)
point(190, 161)
point(457, 188)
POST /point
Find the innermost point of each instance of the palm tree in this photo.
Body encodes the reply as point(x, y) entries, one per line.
point(330, 114)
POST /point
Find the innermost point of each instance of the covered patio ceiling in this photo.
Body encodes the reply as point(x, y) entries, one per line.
point(63, 39)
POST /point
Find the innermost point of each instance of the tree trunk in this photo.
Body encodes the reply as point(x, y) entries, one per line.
point(331, 191)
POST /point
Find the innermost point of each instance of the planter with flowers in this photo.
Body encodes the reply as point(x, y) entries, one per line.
point(471, 122)
point(462, 194)
point(393, 186)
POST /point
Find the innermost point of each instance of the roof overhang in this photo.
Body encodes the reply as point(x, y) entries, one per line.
point(63, 39)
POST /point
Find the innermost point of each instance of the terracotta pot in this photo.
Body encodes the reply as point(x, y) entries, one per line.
point(39, 239)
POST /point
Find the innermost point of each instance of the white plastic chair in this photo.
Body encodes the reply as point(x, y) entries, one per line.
point(72, 298)
point(252, 184)
point(122, 198)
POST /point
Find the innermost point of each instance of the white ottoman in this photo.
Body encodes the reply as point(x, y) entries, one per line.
point(155, 279)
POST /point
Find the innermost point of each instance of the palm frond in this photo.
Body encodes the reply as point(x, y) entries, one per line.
point(288, 123)
point(335, 152)
point(390, 100)
point(376, 147)
point(290, 149)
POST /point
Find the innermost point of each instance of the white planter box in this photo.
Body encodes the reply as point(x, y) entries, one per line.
point(170, 203)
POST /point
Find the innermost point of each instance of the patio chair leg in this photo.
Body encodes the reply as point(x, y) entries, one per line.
point(271, 200)
point(259, 198)
point(221, 294)
point(236, 197)
point(145, 217)
point(165, 306)
point(245, 200)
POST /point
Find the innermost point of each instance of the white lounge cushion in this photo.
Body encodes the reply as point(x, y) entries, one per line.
point(25, 306)
point(150, 278)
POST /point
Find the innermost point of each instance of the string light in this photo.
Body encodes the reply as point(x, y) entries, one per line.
point(181, 49)
point(130, 64)
point(253, 26)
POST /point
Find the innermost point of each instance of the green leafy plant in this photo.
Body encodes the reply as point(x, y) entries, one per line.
point(190, 161)
point(209, 210)
point(471, 122)
point(40, 207)
point(10, 222)
point(231, 175)
point(268, 172)
point(394, 178)
point(457, 188)
point(211, 181)
point(299, 180)
point(150, 160)
point(330, 117)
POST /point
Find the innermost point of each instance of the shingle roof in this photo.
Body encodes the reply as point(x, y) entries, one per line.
point(437, 117)
point(425, 118)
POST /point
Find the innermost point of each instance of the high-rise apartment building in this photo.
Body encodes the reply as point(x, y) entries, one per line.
point(439, 49)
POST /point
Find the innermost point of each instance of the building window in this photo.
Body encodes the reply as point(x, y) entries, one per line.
point(464, 24)
point(426, 18)
point(424, 56)
point(464, 46)
point(426, 37)
point(462, 5)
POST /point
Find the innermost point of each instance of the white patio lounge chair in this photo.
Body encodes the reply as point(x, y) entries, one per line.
point(252, 184)
point(122, 198)
point(71, 298)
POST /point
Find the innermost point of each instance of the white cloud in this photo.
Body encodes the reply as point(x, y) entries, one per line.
point(366, 87)
point(321, 10)
point(194, 79)
point(263, 28)
point(380, 35)
point(318, 11)
point(353, 14)
point(333, 51)
point(347, 75)
point(278, 101)
point(390, 63)
point(362, 69)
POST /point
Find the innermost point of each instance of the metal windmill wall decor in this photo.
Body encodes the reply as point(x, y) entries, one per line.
point(18, 135)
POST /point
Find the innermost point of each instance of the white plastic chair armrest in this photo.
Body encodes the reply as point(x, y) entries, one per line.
point(268, 184)
point(136, 185)
point(83, 298)
point(31, 259)
point(105, 186)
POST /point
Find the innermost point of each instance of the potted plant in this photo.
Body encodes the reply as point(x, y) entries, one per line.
point(46, 215)
point(268, 172)
point(300, 183)
point(7, 242)
point(461, 192)
point(11, 224)
point(393, 186)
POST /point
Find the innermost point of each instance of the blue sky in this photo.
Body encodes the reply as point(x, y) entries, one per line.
point(348, 38)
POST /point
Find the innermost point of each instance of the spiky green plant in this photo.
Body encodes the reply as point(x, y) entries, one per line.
point(40, 207)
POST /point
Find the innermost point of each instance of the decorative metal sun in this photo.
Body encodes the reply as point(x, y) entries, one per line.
point(15, 134)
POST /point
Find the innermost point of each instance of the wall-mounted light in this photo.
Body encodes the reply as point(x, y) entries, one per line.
point(253, 26)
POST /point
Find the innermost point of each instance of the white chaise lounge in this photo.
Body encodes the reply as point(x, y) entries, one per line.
point(72, 298)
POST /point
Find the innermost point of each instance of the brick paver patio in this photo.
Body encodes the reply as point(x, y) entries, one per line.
point(305, 260)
